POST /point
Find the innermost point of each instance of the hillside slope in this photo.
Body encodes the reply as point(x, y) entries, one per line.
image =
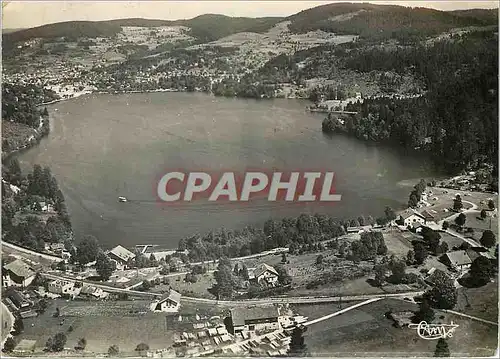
point(379, 22)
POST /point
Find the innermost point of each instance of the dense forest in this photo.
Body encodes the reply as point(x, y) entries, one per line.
point(20, 103)
point(22, 204)
point(457, 119)
point(382, 22)
point(301, 234)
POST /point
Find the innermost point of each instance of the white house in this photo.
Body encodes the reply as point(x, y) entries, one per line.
point(120, 255)
point(170, 303)
point(17, 274)
point(60, 286)
point(265, 275)
point(255, 318)
point(410, 217)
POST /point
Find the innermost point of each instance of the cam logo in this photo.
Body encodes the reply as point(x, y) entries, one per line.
point(434, 331)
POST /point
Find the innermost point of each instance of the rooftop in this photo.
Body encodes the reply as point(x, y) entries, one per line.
point(19, 268)
point(122, 253)
point(458, 258)
point(172, 295)
point(262, 268)
point(240, 315)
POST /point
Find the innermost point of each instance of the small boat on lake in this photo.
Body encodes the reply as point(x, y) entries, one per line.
point(122, 199)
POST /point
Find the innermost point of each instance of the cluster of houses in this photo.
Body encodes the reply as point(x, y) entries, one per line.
point(252, 330)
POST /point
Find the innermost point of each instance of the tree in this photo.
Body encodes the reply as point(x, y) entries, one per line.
point(224, 281)
point(481, 270)
point(488, 239)
point(56, 344)
point(283, 258)
point(82, 343)
point(443, 294)
point(483, 213)
point(18, 326)
point(410, 257)
point(319, 259)
point(87, 250)
point(283, 276)
point(491, 204)
point(390, 214)
point(297, 346)
point(442, 349)
point(104, 266)
point(413, 201)
point(380, 271)
point(432, 238)
point(113, 350)
point(141, 347)
point(9, 345)
point(457, 203)
point(398, 268)
point(460, 220)
point(146, 285)
point(446, 225)
point(424, 313)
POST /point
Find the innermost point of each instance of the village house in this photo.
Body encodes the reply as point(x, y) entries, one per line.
point(18, 300)
point(94, 292)
point(264, 275)
point(457, 260)
point(62, 287)
point(255, 319)
point(17, 274)
point(120, 255)
point(428, 217)
point(169, 302)
point(408, 218)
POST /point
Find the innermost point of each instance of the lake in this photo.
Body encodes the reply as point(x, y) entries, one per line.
point(104, 146)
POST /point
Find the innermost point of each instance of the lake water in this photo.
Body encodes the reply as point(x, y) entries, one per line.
point(104, 146)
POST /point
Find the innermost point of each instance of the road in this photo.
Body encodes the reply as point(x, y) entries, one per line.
point(280, 300)
point(29, 251)
point(326, 317)
point(470, 317)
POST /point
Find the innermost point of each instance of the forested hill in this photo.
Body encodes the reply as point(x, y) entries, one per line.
point(205, 28)
point(370, 21)
point(379, 22)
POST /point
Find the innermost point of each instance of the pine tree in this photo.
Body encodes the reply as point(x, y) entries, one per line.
point(442, 349)
point(297, 346)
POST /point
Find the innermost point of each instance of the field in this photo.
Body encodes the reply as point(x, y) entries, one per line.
point(450, 240)
point(367, 332)
point(102, 324)
point(480, 302)
point(480, 226)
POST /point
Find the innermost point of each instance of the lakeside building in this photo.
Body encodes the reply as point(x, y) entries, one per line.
point(409, 218)
point(169, 303)
point(120, 255)
point(17, 274)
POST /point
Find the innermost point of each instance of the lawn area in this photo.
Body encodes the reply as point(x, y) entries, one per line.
point(198, 289)
point(479, 225)
point(450, 240)
point(480, 302)
point(398, 242)
point(366, 332)
point(102, 324)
